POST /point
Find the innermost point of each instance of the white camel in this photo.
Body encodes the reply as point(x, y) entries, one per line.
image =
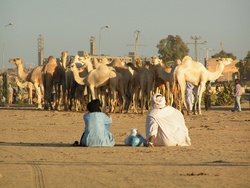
point(196, 74)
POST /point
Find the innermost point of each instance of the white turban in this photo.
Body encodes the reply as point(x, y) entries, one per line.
point(158, 101)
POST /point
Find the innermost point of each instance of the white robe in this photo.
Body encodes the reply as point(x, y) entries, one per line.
point(168, 127)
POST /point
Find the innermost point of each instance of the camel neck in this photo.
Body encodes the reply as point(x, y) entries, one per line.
point(217, 73)
point(21, 73)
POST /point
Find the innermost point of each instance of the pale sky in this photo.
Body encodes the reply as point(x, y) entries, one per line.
point(69, 24)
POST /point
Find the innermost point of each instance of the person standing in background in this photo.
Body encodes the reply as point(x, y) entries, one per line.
point(237, 95)
point(189, 97)
point(208, 94)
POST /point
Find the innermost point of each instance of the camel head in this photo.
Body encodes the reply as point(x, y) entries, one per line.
point(156, 60)
point(64, 54)
point(16, 61)
point(83, 61)
point(225, 61)
point(138, 62)
point(178, 62)
point(104, 61)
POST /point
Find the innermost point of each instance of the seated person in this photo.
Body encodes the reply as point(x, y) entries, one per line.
point(97, 126)
point(165, 125)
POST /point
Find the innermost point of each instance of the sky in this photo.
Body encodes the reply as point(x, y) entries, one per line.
point(67, 25)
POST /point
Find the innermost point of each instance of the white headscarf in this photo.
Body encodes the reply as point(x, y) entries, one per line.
point(158, 101)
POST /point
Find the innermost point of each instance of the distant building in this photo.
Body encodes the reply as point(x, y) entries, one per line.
point(230, 72)
point(92, 46)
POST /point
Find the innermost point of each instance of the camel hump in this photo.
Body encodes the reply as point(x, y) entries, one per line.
point(187, 59)
point(117, 62)
point(51, 58)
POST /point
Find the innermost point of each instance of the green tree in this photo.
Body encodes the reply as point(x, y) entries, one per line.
point(224, 54)
point(244, 68)
point(172, 48)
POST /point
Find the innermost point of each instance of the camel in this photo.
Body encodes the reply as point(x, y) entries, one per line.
point(130, 80)
point(163, 77)
point(146, 79)
point(54, 78)
point(35, 77)
point(29, 87)
point(64, 56)
point(97, 80)
point(198, 75)
point(71, 87)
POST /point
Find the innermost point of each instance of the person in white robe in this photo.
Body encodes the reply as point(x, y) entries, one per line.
point(165, 125)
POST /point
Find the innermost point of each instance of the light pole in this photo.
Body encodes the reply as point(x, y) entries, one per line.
point(107, 26)
point(9, 24)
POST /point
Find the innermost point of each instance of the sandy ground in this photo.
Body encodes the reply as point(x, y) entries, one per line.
point(36, 151)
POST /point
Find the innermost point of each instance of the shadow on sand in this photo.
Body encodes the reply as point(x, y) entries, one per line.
point(45, 144)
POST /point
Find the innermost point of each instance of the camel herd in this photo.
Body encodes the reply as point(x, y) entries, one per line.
point(119, 85)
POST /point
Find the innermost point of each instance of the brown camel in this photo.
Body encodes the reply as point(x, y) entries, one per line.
point(146, 79)
point(54, 78)
point(64, 57)
point(130, 79)
point(73, 91)
point(196, 74)
point(164, 77)
point(35, 77)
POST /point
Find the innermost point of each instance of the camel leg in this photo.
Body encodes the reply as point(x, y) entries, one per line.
point(29, 95)
point(196, 99)
point(103, 99)
point(123, 101)
point(113, 86)
point(201, 90)
point(38, 92)
point(56, 98)
point(113, 101)
point(167, 93)
point(136, 99)
point(142, 103)
point(93, 92)
point(183, 101)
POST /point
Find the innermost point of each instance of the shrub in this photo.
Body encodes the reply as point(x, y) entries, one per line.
point(225, 96)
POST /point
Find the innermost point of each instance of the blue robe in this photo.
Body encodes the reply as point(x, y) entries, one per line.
point(97, 130)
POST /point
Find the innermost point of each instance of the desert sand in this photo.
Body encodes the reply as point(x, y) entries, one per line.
point(36, 151)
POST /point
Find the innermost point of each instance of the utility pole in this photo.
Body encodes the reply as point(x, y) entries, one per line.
point(221, 46)
point(207, 51)
point(207, 54)
point(195, 38)
point(136, 54)
point(137, 32)
point(9, 24)
point(40, 50)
